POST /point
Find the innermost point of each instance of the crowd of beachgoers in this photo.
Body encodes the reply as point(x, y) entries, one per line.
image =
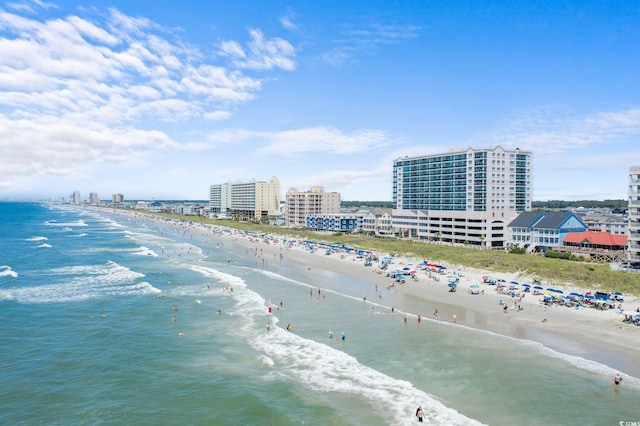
point(563, 316)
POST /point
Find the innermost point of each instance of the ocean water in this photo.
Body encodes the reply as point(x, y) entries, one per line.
point(87, 338)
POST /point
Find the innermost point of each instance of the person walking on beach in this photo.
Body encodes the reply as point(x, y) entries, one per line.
point(455, 318)
point(617, 379)
point(419, 414)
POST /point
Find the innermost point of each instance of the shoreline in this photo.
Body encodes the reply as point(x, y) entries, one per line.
point(586, 332)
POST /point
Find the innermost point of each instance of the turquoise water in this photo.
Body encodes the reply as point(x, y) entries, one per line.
point(88, 338)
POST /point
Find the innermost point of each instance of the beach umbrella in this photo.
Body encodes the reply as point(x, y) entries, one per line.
point(501, 280)
point(475, 286)
point(515, 283)
point(537, 287)
point(559, 291)
point(452, 284)
point(590, 296)
point(526, 285)
point(617, 293)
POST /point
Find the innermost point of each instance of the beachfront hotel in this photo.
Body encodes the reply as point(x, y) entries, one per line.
point(254, 200)
point(633, 244)
point(315, 202)
point(464, 196)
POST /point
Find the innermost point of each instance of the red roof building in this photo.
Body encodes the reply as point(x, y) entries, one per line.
point(596, 239)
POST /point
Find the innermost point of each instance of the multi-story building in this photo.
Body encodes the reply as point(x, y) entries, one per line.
point(94, 200)
point(633, 245)
point(313, 202)
point(75, 198)
point(250, 200)
point(462, 196)
point(615, 224)
point(342, 222)
point(117, 198)
point(378, 222)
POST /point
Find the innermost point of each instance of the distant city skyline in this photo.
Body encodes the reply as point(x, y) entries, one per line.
point(163, 100)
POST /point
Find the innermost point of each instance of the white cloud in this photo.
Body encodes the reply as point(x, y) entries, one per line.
point(261, 53)
point(313, 139)
point(356, 38)
point(217, 115)
point(287, 21)
point(551, 131)
point(53, 146)
point(74, 88)
point(30, 5)
point(326, 139)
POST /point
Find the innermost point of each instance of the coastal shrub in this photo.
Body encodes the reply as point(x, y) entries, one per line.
point(518, 250)
point(558, 255)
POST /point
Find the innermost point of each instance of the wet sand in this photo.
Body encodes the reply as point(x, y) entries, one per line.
point(584, 332)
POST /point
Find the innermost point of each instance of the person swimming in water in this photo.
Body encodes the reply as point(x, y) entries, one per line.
point(343, 336)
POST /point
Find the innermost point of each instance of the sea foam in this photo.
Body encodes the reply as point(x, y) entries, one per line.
point(83, 282)
point(6, 271)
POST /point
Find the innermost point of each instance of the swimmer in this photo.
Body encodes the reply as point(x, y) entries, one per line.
point(343, 336)
point(268, 327)
point(174, 319)
point(219, 311)
point(181, 334)
point(330, 334)
point(617, 379)
point(289, 327)
point(174, 308)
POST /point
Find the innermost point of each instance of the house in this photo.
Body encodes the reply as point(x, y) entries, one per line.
point(539, 231)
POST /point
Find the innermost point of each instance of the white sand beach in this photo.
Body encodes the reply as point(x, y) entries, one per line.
point(584, 332)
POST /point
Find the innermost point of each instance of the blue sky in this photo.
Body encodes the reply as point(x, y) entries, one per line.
point(163, 98)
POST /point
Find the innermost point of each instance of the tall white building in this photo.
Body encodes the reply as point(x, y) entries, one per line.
point(75, 198)
point(94, 199)
point(633, 243)
point(462, 196)
point(250, 200)
point(313, 202)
